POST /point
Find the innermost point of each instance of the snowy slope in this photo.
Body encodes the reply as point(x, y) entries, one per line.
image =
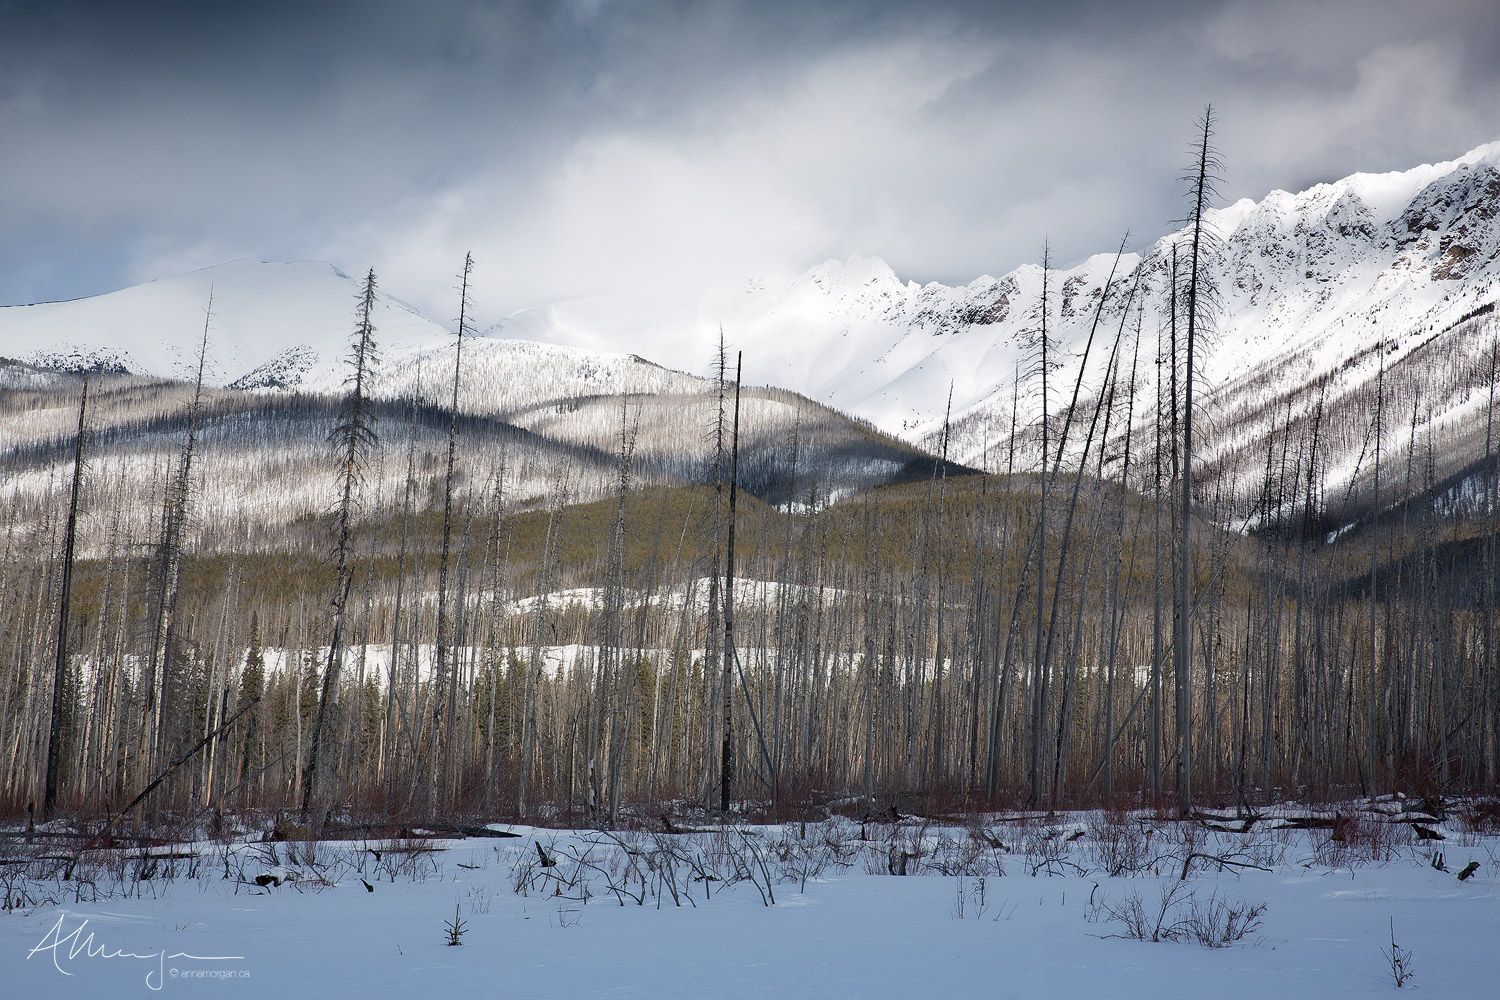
point(550, 415)
point(276, 325)
point(1314, 289)
point(507, 377)
point(288, 326)
point(848, 333)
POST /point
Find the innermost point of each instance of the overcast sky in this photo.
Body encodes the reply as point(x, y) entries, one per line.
point(582, 146)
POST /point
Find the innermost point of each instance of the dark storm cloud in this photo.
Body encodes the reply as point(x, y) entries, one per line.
point(584, 146)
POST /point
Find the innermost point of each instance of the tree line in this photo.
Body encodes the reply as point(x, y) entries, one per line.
point(1078, 625)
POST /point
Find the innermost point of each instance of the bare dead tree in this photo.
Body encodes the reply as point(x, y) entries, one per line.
point(1203, 180)
point(444, 701)
point(60, 710)
point(352, 437)
point(1041, 345)
point(161, 677)
point(726, 759)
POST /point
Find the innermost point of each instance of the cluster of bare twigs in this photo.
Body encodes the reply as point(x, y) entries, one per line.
point(636, 867)
point(1181, 914)
point(45, 870)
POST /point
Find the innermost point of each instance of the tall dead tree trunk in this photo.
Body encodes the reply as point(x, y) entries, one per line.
point(939, 769)
point(529, 721)
point(1004, 642)
point(443, 703)
point(1203, 187)
point(726, 759)
point(1372, 747)
point(714, 633)
point(1038, 663)
point(1491, 754)
point(60, 710)
point(614, 630)
point(353, 437)
point(1066, 540)
point(161, 680)
point(397, 721)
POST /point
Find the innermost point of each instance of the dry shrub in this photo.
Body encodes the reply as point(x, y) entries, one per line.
point(1181, 915)
point(1482, 816)
point(1118, 844)
point(1360, 840)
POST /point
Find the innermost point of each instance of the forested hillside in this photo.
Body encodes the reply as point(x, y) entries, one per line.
point(494, 577)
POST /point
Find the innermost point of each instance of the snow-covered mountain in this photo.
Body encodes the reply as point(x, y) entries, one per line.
point(288, 326)
point(274, 325)
point(546, 416)
point(1315, 289)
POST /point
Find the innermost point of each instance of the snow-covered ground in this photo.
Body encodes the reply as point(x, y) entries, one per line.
point(632, 914)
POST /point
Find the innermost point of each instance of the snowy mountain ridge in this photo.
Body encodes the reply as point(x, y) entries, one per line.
point(1316, 288)
point(276, 324)
point(1318, 292)
point(1308, 281)
point(279, 326)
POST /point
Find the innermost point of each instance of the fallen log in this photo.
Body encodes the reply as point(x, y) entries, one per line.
point(1306, 823)
point(110, 822)
point(1243, 827)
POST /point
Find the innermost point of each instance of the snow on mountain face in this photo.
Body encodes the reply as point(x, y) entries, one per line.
point(276, 325)
point(289, 326)
point(1321, 276)
point(1316, 288)
point(1310, 284)
point(506, 377)
point(1326, 270)
point(1326, 290)
point(847, 333)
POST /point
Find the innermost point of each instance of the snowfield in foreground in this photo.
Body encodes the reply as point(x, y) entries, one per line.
point(1010, 908)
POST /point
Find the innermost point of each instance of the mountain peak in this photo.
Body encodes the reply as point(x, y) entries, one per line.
point(840, 277)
